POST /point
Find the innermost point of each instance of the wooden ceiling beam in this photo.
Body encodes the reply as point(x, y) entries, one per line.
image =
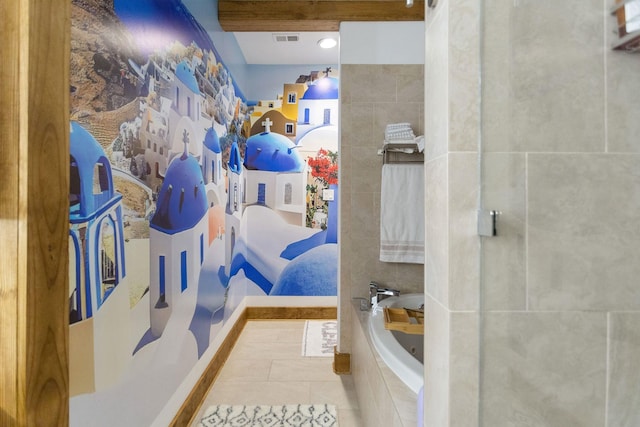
point(311, 15)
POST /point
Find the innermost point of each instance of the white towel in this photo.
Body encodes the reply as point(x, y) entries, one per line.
point(402, 213)
point(398, 131)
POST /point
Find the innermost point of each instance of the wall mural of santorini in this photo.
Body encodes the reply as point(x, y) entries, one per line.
point(184, 198)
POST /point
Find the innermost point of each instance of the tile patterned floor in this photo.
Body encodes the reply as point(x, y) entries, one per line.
point(266, 368)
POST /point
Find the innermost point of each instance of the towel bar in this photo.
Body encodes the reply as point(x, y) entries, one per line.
point(401, 153)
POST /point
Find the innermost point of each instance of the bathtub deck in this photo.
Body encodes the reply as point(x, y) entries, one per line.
point(384, 400)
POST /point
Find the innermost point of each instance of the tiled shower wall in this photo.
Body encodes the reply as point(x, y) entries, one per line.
point(560, 293)
point(452, 268)
point(371, 96)
point(564, 313)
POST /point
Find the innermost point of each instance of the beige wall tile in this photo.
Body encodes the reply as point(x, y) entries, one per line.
point(363, 214)
point(366, 167)
point(437, 229)
point(367, 83)
point(413, 71)
point(436, 98)
point(431, 13)
point(544, 369)
point(366, 267)
point(361, 358)
point(556, 76)
point(399, 112)
point(382, 398)
point(404, 399)
point(345, 337)
point(363, 120)
point(421, 128)
point(356, 125)
point(371, 97)
point(623, 102)
point(409, 277)
point(411, 85)
point(504, 275)
point(437, 365)
point(397, 421)
point(496, 77)
point(583, 232)
point(624, 370)
point(464, 75)
point(543, 91)
point(463, 376)
point(464, 242)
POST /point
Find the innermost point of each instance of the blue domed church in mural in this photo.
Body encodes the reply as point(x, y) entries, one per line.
point(98, 293)
point(212, 157)
point(318, 106)
point(178, 238)
point(275, 176)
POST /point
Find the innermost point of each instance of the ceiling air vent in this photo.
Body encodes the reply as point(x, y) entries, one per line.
point(284, 38)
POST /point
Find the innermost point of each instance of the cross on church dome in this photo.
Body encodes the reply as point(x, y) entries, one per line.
point(185, 140)
point(267, 125)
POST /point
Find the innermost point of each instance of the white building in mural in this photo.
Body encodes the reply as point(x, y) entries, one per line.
point(318, 112)
point(318, 106)
point(234, 209)
point(173, 116)
point(178, 238)
point(275, 175)
point(99, 344)
point(215, 183)
point(176, 110)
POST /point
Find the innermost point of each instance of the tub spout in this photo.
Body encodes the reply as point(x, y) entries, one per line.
point(377, 293)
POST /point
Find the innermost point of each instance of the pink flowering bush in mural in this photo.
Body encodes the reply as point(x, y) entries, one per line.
point(324, 169)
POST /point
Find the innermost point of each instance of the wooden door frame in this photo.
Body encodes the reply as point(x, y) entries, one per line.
point(34, 160)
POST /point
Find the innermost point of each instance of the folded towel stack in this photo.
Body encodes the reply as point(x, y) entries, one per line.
point(398, 133)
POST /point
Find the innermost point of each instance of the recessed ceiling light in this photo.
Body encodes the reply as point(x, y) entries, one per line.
point(327, 43)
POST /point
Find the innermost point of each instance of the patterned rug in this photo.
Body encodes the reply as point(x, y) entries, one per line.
point(270, 416)
point(319, 338)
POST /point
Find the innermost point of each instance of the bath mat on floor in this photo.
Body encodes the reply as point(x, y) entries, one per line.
point(270, 416)
point(319, 338)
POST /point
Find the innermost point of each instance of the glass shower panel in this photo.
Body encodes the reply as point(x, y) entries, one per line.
point(559, 289)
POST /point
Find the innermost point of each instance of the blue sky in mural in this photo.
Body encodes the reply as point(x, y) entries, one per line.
point(153, 21)
point(157, 23)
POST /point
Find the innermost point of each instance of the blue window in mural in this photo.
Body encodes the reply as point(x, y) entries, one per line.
point(162, 302)
point(183, 270)
point(201, 248)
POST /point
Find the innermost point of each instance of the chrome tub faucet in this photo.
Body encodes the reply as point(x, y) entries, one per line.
point(377, 293)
